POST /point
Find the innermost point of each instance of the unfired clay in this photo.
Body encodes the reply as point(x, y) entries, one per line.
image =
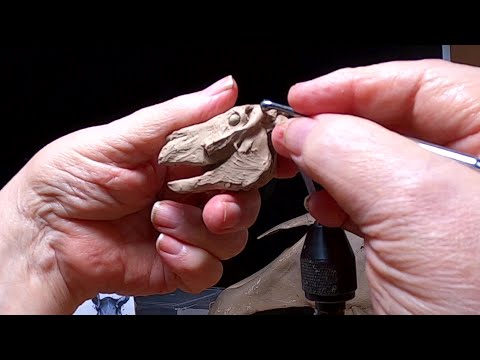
point(279, 285)
point(236, 151)
point(234, 147)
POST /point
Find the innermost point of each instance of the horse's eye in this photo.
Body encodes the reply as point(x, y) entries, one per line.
point(234, 119)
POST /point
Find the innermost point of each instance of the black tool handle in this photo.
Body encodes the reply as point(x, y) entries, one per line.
point(328, 268)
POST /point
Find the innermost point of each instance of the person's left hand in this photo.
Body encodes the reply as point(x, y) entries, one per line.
point(80, 214)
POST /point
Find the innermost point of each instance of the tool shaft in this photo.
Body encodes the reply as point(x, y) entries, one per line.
point(463, 158)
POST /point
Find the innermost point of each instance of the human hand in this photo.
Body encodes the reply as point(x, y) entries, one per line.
point(80, 214)
point(418, 212)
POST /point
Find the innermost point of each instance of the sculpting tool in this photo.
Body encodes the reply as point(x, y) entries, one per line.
point(288, 111)
point(327, 261)
point(463, 158)
point(328, 268)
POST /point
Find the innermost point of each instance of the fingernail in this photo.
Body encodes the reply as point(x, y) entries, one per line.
point(296, 133)
point(231, 215)
point(306, 201)
point(220, 86)
point(166, 215)
point(169, 245)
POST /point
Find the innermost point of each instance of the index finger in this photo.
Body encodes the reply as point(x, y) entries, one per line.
point(434, 100)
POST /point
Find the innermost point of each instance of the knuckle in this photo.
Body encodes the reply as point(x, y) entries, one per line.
point(185, 265)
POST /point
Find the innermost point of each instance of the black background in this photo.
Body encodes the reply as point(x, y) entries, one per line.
point(48, 92)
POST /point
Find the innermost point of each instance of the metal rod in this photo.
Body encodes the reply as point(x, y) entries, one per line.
point(463, 158)
point(308, 183)
point(287, 110)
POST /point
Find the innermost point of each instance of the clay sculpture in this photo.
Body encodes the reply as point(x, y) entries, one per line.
point(233, 147)
point(235, 150)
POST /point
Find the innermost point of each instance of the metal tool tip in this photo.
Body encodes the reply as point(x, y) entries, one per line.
point(283, 109)
point(266, 105)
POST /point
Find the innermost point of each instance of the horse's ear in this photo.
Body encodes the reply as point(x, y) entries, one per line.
point(96, 300)
point(122, 301)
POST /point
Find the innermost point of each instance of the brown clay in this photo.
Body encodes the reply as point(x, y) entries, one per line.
point(235, 150)
point(233, 147)
point(279, 285)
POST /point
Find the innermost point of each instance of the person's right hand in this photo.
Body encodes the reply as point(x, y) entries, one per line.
point(418, 212)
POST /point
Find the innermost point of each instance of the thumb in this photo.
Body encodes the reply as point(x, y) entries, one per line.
point(146, 129)
point(368, 169)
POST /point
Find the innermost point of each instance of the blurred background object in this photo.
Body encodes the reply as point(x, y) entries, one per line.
point(107, 304)
point(465, 54)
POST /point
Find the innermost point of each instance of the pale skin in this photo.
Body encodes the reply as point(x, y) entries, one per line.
point(83, 215)
point(91, 213)
point(418, 212)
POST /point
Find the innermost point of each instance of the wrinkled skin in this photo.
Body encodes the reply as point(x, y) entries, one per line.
point(419, 213)
point(83, 216)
